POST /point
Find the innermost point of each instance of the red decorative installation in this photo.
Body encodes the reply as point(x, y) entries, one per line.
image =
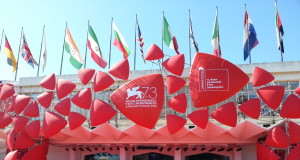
point(33, 129)
point(226, 114)
point(120, 70)
point(294, 130)
point(83, 99)
point(85, 75)
point(52, 124)
point(154, 53)
point(12, 155)
point(63, 88)
point(178, 103)
point(5, 119)
point(102, 81)
point(271, 95)
point(175, 64)
point(20, 102)
point(20, 122)
point(261, 77)
point(23, 141)
point(199, 117)
point(45, 99)
point(101, 112)
point(49, 82)
point(265, 153)
point(294, 154)
point(174, 83)
point(76, 120)
point(251, 108)
point(6, 92)
point(32, 110)
point(291, 107)
point(175, 123)
point(297, 91)
point(63, 107)
point(277, 138)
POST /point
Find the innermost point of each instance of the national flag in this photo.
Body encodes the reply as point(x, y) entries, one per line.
point(120, 42)
point(250, 40)
point(140, 39)
point(26, 53)
point(279, 31)
point(169, 38)
point(93, 45)
point(44, 52)
point(192, 38)
point(216, 38)
point(71, 48)
point(10, 55)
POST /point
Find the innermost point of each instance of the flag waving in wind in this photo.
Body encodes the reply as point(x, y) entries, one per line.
point(26, 53)
point(216, 38)
point(120, 42)
point(44, 51)
point(71, 48)
point(93, 45)
point(250, 40)
point(169, 38)
point(140, 39)
point(279, 31)
point(11, 60)
point(192, 38)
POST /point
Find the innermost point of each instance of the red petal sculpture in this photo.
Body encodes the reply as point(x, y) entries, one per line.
point(38, 152)
point(76, 120)
point(12, 155)
point(52, 124)
point(23, 141)
point(5, 119)
point(271, 95)
point(251, 108)
point(11, 139)
point(85, 75)
point(45, 99)
point(265, 153)
point(154, 53)
point(101, 112)
point(261, 77)
point(199, 117)
point(277, 138)
point(174, 83)
point(6, 92)
point(83, 99)
point(33, 129)
point(63, 107)
point(175, 64)
point(178, 103)
point(20, 122)
point(141, 100)
point(297, 90)
point(64, 87)
point(294, 154)
point(226, 114)
point(294, 130)
point(49, 82)
point(102, 81)
point(291, 107)
point(32, 110)
point(175, 123)
point(20, 102)
point(214, 79)
point(120, 70)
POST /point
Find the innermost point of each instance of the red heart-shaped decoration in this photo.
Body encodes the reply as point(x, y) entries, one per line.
point(265, 153)
point(175, 64)
point(101, 112)
point(200, 117)
point(141, 100)
point(33, 129)
point(294, 154)
point(174, 83)
point(291, 107)
point(178, 103)
point(271, 95)
point(154, 53)
point(45, 99)
point(12, 155)
point(32, 110)
point(20, 122)
point(251, 108)
point(5, 119)
point(52, 124)
point(261, 77)
point(85, 75)
point(120, 70)
point(23, 141)
point(20, 102)
point(49, 82)
point(63, 107)
point(102, 81)
point(175, 123)
point(83, 99)
point(76, 120)
point(213, 80)
point(6, 91)
point(226, 114)
point(277, 138)
point(64, 87)
point(294, 130)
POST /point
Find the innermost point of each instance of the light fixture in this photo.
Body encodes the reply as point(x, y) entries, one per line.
point(169, 149)
point(229, 149)
point(239, 149)
point(203, 148)
point(118, 148)
point(213, 149)
point(103, 149)
point(110, 148)
point(194, 149)
point(96, 149)
point(185, 149)
point(178, 148)
point(126, 149)
point(133, 149)
point(81, 149)
point(74, 149)
point(88, 149)
point(67, 149)
point(161, 149)
point(221, 149)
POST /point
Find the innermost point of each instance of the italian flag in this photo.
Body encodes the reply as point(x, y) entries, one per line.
point(93, 45)
point(72, 49)
point(120, 42)
point(169, 38)
point(216, 38)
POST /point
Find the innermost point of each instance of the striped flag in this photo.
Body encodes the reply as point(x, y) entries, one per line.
point(44, 52)
point(140, 39)
point(192, 38)
point(26, 53)
point(216, 38)
point(250, 40)
point(120, 42)
point(11, 60)
point(169, 38)
point(279, 31)
point(93, 45)
point(70, 46)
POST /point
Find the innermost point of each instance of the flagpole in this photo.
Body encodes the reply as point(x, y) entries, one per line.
point(162, 33)
point(1, 39)
point(248, 48)
point(190, 37)
point(40, 52)
point(87, 39)
point(110, 42)
point(278, 36)
point(19, 54)
point(135, 42)
point(63, 49)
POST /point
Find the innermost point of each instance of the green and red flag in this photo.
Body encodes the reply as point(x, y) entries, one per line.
point(169, 38)
point(93, 45)
point(216, 38)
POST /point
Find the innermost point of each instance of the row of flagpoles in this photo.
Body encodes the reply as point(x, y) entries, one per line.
point(250, 41)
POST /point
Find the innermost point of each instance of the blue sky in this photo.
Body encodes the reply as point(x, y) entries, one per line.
point(32, 15)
